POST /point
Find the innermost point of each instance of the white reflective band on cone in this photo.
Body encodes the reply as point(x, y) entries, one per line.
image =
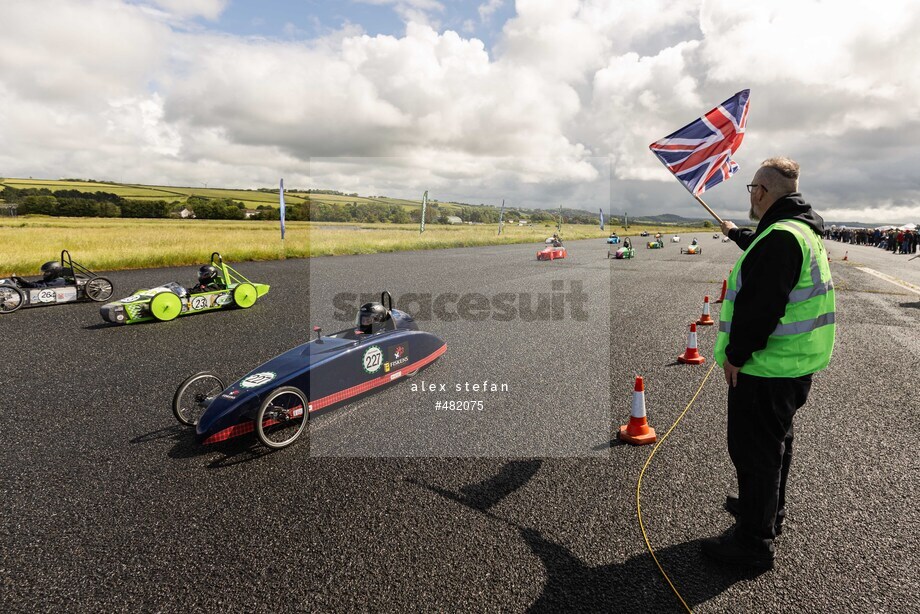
point(638, 405)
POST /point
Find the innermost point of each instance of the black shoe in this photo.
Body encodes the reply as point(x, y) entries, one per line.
point(732, 507)
point(727, 549)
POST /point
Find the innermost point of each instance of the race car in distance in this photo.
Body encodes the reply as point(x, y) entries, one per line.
point(62, 282)
point(693, 250)
point(624, 252)
point(675, 239)
point(171, 300)
point(715, 236)
point(613, 239)
point(644, 233)
point(276, 398)
point(725, 239)
point(551, 252)
point(656, 244)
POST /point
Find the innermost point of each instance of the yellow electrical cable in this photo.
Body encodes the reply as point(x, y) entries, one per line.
point(639, 488)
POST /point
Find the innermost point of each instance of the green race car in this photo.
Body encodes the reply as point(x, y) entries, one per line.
point(219, 287)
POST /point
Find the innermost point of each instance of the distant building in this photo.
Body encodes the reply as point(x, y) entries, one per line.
point(251, 212)
point(453, 219)
point(186, 212)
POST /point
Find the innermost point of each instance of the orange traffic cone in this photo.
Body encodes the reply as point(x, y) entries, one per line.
point(692, 355)
point(638, 431)
point(846, 256)
point(724, 290)
point(706, 318)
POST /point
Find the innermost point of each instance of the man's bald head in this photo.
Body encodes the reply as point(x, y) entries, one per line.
point(779, 175)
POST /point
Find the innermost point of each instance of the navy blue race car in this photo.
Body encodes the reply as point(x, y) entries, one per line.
point(276, 398)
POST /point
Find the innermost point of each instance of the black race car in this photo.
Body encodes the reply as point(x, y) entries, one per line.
point(66, 281)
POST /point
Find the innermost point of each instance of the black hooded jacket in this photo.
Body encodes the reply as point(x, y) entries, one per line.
point(769, 272)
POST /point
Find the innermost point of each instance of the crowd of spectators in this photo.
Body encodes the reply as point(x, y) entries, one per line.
point(894, 240)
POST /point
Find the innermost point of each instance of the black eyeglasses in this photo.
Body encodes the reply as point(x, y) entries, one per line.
point(751, 187)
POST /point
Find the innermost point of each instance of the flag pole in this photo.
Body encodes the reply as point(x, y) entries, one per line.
point(706, 207)
point(698, 199)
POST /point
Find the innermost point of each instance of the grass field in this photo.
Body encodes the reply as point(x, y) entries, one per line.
point(109, 244)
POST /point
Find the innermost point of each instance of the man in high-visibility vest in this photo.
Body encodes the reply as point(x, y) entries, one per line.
point(776, 329)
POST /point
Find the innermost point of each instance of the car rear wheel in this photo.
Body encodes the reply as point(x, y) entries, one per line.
point(11, 298)
point(194, 395)
point(98, 289)
point(245, 295)
point(282, 417)
point(165, 306)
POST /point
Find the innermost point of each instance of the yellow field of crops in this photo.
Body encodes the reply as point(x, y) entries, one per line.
point(110, 244)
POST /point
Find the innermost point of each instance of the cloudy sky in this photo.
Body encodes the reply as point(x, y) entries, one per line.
point(538, 102)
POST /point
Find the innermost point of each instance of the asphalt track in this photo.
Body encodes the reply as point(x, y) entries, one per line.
point(391, 505)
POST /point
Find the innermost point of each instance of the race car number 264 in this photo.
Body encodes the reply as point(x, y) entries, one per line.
point(373, 358)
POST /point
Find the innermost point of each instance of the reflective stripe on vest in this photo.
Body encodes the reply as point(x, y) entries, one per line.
point(793, 328)
point(802, 294)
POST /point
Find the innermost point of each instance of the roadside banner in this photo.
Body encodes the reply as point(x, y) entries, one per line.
point(281, 201)
point(501, 217)
point(421, 228)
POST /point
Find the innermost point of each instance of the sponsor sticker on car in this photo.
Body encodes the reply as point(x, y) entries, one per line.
point(224, 299)
point(258, 379)
point(398, 355)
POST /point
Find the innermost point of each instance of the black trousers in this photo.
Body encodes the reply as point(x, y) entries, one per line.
point(760, 412)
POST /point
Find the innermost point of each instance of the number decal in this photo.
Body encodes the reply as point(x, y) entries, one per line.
point(373, 359)
point(258, 379)
point(200, 302)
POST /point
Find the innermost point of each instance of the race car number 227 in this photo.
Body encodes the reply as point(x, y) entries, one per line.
point(372, 360)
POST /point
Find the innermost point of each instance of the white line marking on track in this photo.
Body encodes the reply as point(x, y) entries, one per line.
point(893, 280)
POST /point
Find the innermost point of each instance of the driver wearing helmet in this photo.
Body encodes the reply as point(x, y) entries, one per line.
point(627, 243)
point(52, 277)
point(694, 241)
point(371, 318)
point(208, 279)
point(557, 242)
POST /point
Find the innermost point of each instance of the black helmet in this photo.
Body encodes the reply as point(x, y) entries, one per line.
point(370, 314)
point(52, 270)
point(207, 274)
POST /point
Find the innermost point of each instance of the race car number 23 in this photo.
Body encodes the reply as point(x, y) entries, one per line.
point(373, 359)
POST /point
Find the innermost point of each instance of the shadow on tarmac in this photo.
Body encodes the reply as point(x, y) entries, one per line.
point(233, 451)
point(631, 586)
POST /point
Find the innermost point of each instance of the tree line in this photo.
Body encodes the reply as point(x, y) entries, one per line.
point(74, 203)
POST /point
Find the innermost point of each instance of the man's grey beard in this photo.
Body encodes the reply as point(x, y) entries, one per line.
point(753, 216)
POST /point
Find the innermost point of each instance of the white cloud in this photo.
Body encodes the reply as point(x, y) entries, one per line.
point(413, 11)
point(566, 84)
point(487, 9)
point(209, 9)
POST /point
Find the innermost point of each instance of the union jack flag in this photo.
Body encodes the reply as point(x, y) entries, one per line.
point(700, 153)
